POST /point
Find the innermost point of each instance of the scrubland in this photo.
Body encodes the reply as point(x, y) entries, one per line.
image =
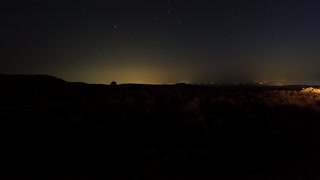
point(80, 131)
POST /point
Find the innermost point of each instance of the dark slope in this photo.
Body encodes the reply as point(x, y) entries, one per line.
point(34, 80)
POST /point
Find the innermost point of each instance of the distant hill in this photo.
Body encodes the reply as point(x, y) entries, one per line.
point(30, 79)
point(28, 86)
point(51, 83)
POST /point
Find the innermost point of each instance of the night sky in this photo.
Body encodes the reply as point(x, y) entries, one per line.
point(162, 41)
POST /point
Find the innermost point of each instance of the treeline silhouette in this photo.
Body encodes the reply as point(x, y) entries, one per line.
point(54, 129)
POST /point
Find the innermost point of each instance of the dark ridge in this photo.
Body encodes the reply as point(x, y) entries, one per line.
point(183, 84)
point(31, 86)
point(30, 79)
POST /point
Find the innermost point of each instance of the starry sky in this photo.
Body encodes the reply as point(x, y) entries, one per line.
point(161, 41)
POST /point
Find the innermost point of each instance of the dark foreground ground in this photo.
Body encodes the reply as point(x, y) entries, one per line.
point(52, 129)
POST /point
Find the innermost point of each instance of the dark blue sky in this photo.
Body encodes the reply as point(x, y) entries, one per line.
point(161, 41)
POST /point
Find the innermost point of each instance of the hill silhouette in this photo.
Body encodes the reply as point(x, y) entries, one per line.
point(30, 79)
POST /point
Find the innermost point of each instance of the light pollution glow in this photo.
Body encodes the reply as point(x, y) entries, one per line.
point(162, 67)
point(128, 67)
point(130, 74)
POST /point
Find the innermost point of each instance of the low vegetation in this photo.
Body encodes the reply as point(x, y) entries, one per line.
point(80, 131)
